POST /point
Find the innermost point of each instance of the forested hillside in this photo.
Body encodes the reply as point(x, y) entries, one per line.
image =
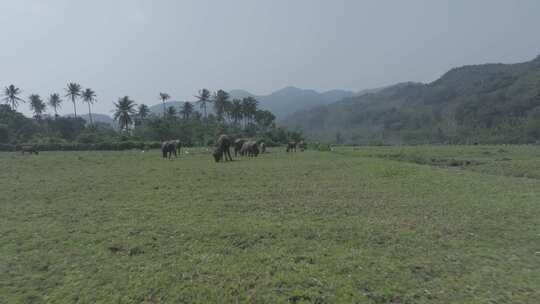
point(489, 103)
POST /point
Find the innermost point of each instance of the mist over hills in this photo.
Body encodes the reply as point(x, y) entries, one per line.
point(157, 109)
point(281, 102)
point(487, 103)
point(291, 99)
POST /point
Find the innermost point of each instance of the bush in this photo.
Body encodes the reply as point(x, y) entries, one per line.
point(7, 148)
point(108, 146)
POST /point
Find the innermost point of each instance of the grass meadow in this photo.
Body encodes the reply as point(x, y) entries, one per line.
point(429, 224)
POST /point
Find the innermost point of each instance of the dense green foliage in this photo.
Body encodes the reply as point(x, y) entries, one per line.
point(238, 118)
point(312, 227)
point(491, 103)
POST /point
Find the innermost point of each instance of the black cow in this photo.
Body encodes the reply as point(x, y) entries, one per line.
point(222, 150)
point(169, 148)
point(291, 146)
point(29, 149)
point(302, 145)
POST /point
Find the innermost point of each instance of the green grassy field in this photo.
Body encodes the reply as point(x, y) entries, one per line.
point(364, 225)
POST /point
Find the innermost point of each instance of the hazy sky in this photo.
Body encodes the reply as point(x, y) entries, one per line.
point(139, 48)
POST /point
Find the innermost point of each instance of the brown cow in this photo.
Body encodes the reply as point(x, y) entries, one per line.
point(222, 149)
point(250, 148)
point(238, 143)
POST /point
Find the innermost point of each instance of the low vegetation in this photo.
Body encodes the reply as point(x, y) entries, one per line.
point(351, 225)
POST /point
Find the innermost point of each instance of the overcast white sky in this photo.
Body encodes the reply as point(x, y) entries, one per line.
point(139, 48)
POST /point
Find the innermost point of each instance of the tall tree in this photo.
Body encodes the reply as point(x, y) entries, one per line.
point(202, 99)
point(251, 107)
point(143, 111)
point(236, 110)
point(164, 97)
point(245, 108)
point(11, 96)
point(220, 102)
point(265, 119)
point(187, 110)
point(125, 109)
point(89, 97)
point(36, 105)
point(170, 113)
point(55, 102)
point(73, 92)
point(227, 110)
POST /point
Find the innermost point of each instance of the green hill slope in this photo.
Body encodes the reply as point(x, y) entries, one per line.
point(489, 103)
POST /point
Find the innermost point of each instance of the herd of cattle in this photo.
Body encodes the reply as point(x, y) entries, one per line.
point(241, 146)
point(222, 151)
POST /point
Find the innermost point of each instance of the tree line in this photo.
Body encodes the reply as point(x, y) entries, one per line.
point(196, 123)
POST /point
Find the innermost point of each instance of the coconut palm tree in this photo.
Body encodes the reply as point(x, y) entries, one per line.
point(227, 110)
point(89, 97)
point(220, 102)
point(170, 113)
point(245, 110)
point(36, 105)
point(202, 99)
point(73, 92)
point(249, 107)
point(187, 110)
point(236, 110)
point(55, 102)
point(264, 118)
point(143, 111)
point(125, 109)
point(164, 97)
point(11, 96)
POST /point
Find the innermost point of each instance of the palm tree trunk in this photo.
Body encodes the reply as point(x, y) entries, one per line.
point(74, 106)
point(164, 109)
point(90, 114)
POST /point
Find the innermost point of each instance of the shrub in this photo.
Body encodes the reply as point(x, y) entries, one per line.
point(106, 146)
point(7, 147)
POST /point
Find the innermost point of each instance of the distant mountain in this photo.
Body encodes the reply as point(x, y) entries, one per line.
point(489, 103)
point(157, 109)
point(240, 94)
point(291, 99)
point(376, 90)
point(282, 102)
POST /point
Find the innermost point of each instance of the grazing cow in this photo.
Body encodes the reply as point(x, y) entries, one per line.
point(222, 150)
point(29, 149)
point(291, 146)
point(178, 146)
point(250, 148)
point(302, 145)
point(238, 143)
point(262, 147)
point(168, 149)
